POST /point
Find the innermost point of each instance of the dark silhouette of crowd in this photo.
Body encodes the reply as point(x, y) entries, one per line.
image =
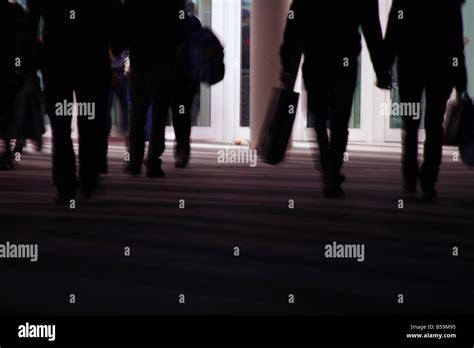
point(87, 50)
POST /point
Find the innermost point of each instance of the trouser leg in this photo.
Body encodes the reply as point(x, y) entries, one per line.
point(140, 92)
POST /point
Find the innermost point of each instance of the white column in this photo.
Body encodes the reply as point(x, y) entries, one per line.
point(268, 19)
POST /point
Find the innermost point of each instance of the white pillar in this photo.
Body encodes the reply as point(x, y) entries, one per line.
point(268, 19)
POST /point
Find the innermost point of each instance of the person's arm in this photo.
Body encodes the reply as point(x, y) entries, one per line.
point(129, 24)
point(181, 30)
point(22, 49)
point(392, 36)
point(294, 40)
point(372, 31)
point(35, 10)
point(117, 27)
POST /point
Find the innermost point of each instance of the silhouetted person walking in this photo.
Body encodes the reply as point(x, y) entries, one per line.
point(7, 67)
point(327, 33)
point(427, 39)
point(157, 36)
point(13, 64)
point(185, 91)
point(77, 36)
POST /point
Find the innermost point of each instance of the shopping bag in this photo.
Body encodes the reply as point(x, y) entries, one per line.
point(458, 121)
point(278, 125)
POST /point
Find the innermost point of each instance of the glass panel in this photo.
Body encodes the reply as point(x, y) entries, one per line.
point(22, 3)
point(245, 74)
point(396, 121)
point(202, 101)
point(354, 122)
point(469, 41)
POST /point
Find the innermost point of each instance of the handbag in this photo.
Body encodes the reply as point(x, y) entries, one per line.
point(458, 124)
point(278, 125)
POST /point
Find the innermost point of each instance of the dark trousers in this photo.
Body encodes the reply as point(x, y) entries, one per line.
point(330, 97)
point(185, 91)
point(6, 111)
point(119, 87)
point(438, 85)
point(90, 87)
point(155, 86)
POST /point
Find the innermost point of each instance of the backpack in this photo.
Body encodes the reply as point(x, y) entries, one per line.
point(206, 57)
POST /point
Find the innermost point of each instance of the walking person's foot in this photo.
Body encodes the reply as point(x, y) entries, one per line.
point(153, 170)
point(19, 146)
point(409, 188)
point(429, 195)
point(6, 162)
point(104, 168)
point(132, 170)
point(333, 192)
point(332, 187)
point(342, 179)
point(62, 200)
point(182, 159)
point(89, 186)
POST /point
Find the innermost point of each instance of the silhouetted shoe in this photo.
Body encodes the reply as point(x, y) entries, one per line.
point(6, 162)
point(182, 159)
point(132, 170)
point(342, 179)
point(39, 144)
point(88, 189)
point(409, 189)
point(153, 170)
point(62, 201)
point(19, 146)
point(333, 192)
point(96, 188)
point(104, 169)
point(429, 196)
point(88, 192)
point(332, 186)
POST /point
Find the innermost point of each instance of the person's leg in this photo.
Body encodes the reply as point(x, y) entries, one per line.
point(110, 103)
point(8, 148)
point(92, 121)
point(19, 146)
point(101, 98)
point(9, 152)
point(437, 95)
point(6, 158)
point(341, 99)
point(411, 85)
point(318, 104)
point(122, 95)
point(64, 162)
point(7, 118)
point(183, 99)
point(162, 95)
point(140, 92)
